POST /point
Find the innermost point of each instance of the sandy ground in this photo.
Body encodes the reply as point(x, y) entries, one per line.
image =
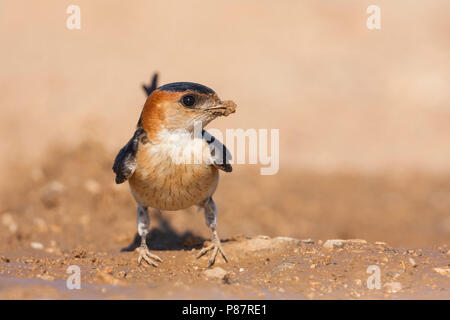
point(363, 118)
point(69, 212)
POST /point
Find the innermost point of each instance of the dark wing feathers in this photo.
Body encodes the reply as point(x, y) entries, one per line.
point(219, 153)
point(125, 162)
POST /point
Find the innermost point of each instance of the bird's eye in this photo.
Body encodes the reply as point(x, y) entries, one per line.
point(188, 100)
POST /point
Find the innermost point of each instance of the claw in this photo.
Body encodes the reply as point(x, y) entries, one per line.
point(216, 247)
point(147, 256)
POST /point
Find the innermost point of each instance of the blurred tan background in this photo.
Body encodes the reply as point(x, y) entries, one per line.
point(345, 98)
point(342, 95)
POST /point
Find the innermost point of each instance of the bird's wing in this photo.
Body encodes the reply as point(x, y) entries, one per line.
point(219, 153)
point(125, 162)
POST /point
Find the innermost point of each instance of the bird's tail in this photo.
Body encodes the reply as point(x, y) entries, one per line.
point(153, 85)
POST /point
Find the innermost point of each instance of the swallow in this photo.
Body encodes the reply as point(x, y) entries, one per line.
point(157, 160)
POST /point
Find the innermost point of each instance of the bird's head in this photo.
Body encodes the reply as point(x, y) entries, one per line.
point(180, 105)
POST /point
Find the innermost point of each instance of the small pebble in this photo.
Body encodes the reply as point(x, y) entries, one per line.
point(46, 277)
point(334, 243)
point(37, 245)
point(8, 221)
point(393, 287)
point(443, 271)
point(412, 262)
point(216, 273)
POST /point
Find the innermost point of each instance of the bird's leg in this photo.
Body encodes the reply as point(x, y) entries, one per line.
point(143, 222)
point(211, 221)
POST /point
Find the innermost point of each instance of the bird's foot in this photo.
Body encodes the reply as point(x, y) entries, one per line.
point(147, 256)
point(216, 247)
